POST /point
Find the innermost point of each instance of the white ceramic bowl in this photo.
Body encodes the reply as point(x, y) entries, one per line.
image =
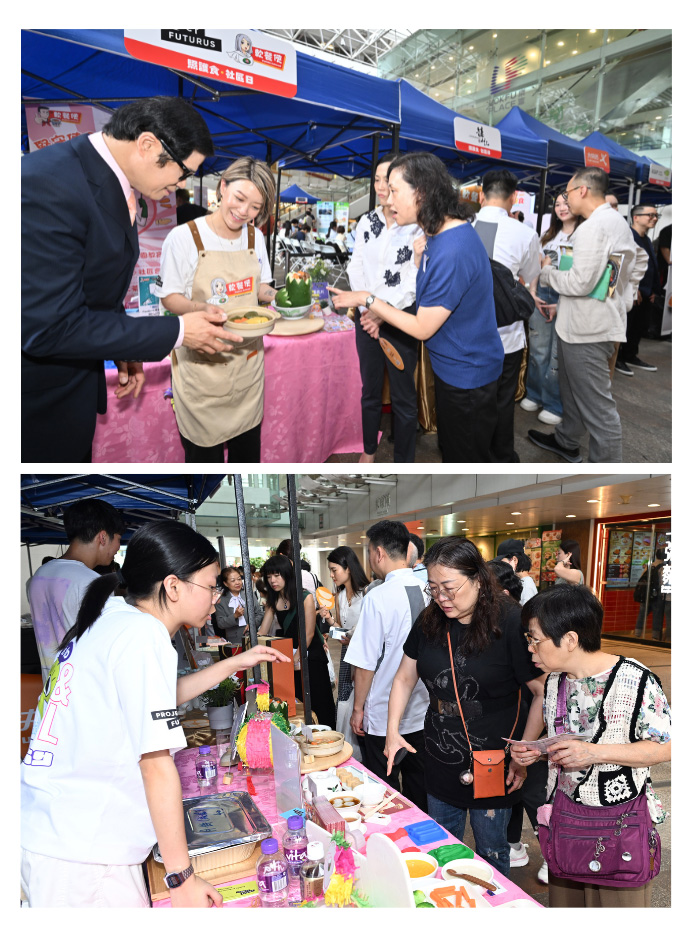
point(293, 312)
point(467, 866)
point(251, 330)
point(421, 856)
point(345, 810)
point(370, 794)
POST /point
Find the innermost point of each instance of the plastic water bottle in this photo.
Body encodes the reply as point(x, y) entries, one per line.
point(295, 845)
point(272, 875)
point(206, 770)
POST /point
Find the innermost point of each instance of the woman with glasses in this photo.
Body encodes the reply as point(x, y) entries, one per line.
point(280, 583)
point(467, 648)
point(230, 609)
point(218, 260)
point(99, 785)
point(619, 714)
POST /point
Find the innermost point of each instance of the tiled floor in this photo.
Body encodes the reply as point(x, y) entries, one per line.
point(643, 401)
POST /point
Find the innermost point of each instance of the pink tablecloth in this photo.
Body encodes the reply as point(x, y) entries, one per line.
point(312, 406)
point(263, 782)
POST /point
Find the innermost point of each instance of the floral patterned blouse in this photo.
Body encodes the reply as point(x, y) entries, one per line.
point(583, 701)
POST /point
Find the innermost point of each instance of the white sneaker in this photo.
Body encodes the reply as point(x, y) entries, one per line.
point(546, 417)
point(543, 873)
point(529, 405)
point(519, 857)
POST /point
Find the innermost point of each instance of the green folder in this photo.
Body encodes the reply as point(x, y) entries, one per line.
point(601, 290)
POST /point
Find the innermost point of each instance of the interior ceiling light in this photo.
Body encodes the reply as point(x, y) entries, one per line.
point(471, 48)
point(654, 505)
point(593, 30)
point(450, 58)
point(509, 523)
point(574, 52)
point(658, 118)
point(592, 501)
point(568, 516)
point(561, 43)
point(495, 35)
point(469, 81)
point(547, 62)
point(515, 513)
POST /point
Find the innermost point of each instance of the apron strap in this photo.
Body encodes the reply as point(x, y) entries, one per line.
point(196, 236)
point(251, 237)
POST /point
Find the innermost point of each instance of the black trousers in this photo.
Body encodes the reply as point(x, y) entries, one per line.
point(503, 442)
point(321, 697)
point(466, 421)
point(533, 796)
point(636, 324)
point(410, 769)
point(402, 389)
point(242, 448)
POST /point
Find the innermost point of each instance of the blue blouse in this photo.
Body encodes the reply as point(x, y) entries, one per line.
point(455, 273)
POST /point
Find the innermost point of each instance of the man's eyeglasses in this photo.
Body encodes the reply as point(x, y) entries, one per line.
point(216, 590)
point(187, 171)
point(434, 592)
point(643, 215)
point(533, 642)
point(567, 192)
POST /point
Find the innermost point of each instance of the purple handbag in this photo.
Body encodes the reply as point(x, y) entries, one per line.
point(616, 846)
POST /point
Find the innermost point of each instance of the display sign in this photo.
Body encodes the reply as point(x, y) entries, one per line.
point(301, 200)
point(550, 541)
point(341, 214)
point(47, 124)
point(598, 158)
point(470, 193)
point(471, 137)
point(642, 554)
point(154, 220)
point(325, 211)
point(660, 175)
point(241, 57)
point(619, 556)
point(666, 568)
point(533, 550)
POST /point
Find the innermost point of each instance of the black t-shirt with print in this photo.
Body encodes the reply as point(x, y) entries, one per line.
point(488, 686)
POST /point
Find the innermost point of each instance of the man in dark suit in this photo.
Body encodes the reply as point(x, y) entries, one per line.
point(79, 249)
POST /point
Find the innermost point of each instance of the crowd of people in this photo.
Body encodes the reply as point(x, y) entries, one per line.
point(424, 268)
point(444, 657)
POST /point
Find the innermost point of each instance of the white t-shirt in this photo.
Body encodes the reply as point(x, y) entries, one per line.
point(517, 248)
point(55, 593)
point(376, 645)
point(383, 259)
point(83, 796)
point(179, 257)
point(529, 589)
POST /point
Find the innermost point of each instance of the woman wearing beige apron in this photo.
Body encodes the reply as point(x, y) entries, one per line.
point(220, 260)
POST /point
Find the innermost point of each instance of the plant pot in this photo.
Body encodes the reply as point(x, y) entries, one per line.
point(220, 717)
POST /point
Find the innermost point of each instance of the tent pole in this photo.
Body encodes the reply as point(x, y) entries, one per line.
point(245, 561)
point(296, 552)
point(28, 555)
point(542, 199)
point(374, 166)
point(268, 236)
point(222, 552)
point(630, 197)
point(638, 193)
point(276, 218)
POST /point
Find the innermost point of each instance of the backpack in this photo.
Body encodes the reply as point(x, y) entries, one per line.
point(514, 303)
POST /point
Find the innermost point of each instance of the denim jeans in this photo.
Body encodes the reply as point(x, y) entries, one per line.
point(489, 826)
point(542, 368)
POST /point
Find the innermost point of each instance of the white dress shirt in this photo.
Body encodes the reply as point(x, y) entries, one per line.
point(383, 259)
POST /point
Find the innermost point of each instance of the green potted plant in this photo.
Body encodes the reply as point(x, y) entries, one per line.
point(219, 703)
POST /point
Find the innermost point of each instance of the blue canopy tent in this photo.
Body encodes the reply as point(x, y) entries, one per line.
point(142, 498)
point(659, 194)
point(294, 193)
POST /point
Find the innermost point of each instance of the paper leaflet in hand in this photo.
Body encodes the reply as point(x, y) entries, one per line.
point(543, 743)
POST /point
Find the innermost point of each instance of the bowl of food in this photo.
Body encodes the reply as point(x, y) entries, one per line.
point(346, 803)
point(251, 321)
point(323, 743)
point(295, 297)
point(420, 864)
point(469, 866)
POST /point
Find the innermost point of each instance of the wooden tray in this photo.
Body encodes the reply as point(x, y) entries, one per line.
point(222, 875)
point(323, 763)
point(286, 328)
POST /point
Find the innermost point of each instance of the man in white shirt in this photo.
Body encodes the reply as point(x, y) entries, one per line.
point(517, 247)
point(375, 652)
point(588, 328)
point(93, 530)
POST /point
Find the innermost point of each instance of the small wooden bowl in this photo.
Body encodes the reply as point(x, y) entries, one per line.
point(254, 330)
point(330, 742)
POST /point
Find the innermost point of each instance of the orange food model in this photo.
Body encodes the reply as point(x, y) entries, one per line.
point(418, 868)
point(440, 895)
point(324, 597)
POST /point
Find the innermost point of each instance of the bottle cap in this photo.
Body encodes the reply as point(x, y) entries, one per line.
point(295, 822)
point(315, 851)
point(205, 749)
point(270, 846)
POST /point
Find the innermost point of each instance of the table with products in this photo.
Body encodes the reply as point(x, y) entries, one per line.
point(312, 406)
point(260, 785)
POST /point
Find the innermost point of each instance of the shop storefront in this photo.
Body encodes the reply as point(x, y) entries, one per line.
point(625, 553)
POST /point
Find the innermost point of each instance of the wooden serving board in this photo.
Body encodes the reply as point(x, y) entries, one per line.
point(286, 328)
point(323, 763)
point(221, 875)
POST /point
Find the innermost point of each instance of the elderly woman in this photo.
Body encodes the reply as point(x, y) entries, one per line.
point(455, 314)
point(619, 712)
point(467, 645)
point(230, 610)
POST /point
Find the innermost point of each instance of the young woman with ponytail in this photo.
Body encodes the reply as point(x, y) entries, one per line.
point(99, 785)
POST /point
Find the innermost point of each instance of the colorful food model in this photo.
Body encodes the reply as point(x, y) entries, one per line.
point(296, 291)
point(250, 320)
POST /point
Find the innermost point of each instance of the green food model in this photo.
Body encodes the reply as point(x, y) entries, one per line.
point(297, 291)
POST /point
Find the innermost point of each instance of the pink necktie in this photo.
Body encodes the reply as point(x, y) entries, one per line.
point(132, 207)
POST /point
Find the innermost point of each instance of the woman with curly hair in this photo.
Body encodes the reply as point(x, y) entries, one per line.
point(455, 312)
point(472, 625)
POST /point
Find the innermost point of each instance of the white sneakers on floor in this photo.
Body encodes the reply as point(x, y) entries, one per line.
point(550, 418)
point(518, 856)
point(543, 873)
point(529, 405)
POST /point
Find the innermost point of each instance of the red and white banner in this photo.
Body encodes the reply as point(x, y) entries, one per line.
point(477, 138)
point(49, 123)
point(598, 158)
point(242, 57)
point(660, 175)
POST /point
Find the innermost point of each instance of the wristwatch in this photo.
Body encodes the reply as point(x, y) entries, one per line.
point(176, 878)
point(369, 302)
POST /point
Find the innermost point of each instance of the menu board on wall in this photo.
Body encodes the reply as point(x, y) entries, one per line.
point(550, 541)
point(642, 553)
point(533, 550)
point(619, 557)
